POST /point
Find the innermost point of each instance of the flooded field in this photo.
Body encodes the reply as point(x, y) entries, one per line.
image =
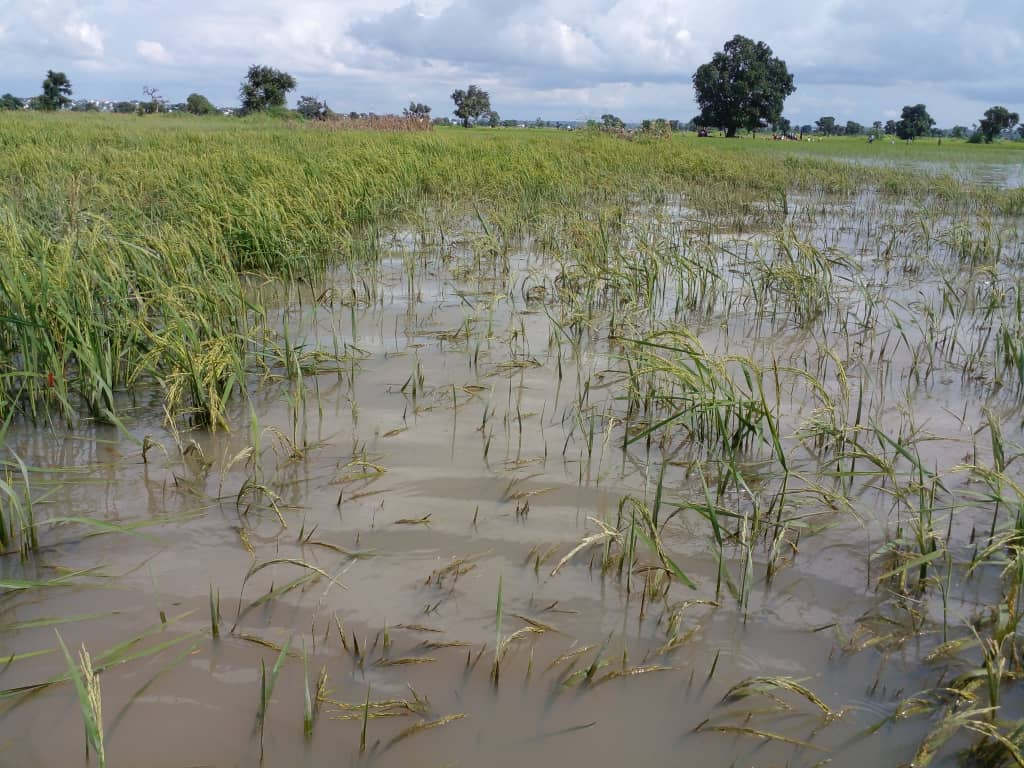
point(1005, 175)
point(652, 478)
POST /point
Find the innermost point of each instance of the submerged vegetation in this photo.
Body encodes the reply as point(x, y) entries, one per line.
point(730, 425)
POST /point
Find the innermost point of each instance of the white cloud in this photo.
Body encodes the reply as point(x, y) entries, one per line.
point(153, 51)
point(87, 37)
point(553, 57)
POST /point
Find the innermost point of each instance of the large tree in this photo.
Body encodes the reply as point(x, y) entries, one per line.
point(610, 122)
point(56, 92)
point(311, 108)
point(826, 125)
point(156, 103)
point(914, 121)
point(197, 104)
point(471, 104)
point(743, 86)
point(265, 87)
point(7, 101)
point(995, 121)
point(418, 110)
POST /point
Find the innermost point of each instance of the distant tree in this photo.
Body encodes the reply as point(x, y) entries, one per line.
point(853, 128)
point(124, 107)
point(743, 86)
point(56, 92)
point(155, 104)
point(995, 121)
point(312, 108)
point(805, 128)
point(826, 125)
point(197, 104)
point(509, 123)
point(877, 128)
point(658, 127)
point(612, 122)
point(7, 101)
point(415, 109)
point(471, 104)
point(493, 119)
point(782, 125)
point(958, 132)
point(265, 87)
point(676, 126)
point(441, 121)
point(1020, 130)
point(890, 127)
point(84, 105)
point(914, 121)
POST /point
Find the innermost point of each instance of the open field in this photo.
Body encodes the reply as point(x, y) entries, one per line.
point(507, 447)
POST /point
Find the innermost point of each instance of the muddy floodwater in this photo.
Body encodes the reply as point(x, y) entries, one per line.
point(656, 485)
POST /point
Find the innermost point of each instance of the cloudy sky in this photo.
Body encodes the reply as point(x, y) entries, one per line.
point(560, 59)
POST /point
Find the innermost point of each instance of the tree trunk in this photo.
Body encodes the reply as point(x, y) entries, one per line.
point(730, 132)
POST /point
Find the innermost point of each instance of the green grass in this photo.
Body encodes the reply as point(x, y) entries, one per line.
point(128, 240)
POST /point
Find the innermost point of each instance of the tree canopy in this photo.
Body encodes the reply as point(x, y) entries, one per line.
point(995, 121)
point(914, 121)
point(265, 87)
point(743, 86)
point(471, 104)
point(197, 104)
point(415, 109)
point(9, 101)
point(612, 122)
point(826, 125)
point(311, 108)
point(56, 92)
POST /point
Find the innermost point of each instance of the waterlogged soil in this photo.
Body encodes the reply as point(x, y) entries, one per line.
point(998, 175)
point(406, 503)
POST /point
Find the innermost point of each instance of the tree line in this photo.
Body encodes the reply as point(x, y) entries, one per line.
point(743, 87)
point(915, 121)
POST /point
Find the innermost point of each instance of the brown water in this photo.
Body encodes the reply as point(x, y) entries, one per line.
point(421, 507)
